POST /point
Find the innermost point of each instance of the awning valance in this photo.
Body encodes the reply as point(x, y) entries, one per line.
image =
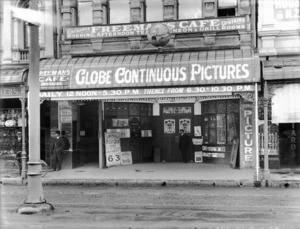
point(12, 83)
point(222, 67)
point(13, 76)
point(281, 69)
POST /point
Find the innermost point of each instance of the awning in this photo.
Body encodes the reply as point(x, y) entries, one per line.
point(282, 69)
point(222, 67)
point(12, 83)
point(13, 77)
point(285, 104)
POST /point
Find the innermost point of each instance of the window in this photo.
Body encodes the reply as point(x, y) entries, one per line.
point(220, 121)
point(85, 13)
point(154, 10)
point(227, 8)
point(189, 9)
point(119, 11)
point(26, 36)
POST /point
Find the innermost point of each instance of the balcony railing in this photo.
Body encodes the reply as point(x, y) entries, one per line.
point(24, 55)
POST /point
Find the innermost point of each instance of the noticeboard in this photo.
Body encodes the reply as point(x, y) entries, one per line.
point(113, 149)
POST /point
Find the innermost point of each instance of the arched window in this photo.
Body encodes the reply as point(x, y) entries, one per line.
point(190, 9)
point(154, 10)
point(85, 12)
point(119, 11)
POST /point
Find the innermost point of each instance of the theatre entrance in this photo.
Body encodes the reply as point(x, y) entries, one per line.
point(174, 118)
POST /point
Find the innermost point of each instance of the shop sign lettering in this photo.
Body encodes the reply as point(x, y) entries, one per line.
point(293, 143)
point(191, 74)
point(54, 78)
point(176, 27)
point(6, 92)
point(287, 10)
point(248, 132)
point(147, 92)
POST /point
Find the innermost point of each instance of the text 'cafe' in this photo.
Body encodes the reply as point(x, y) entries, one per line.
point(148, 98)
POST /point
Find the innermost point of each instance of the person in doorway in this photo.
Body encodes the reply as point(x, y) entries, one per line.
point(184, 145)
point(56, 151)
point(17, 146)
point(65, 139)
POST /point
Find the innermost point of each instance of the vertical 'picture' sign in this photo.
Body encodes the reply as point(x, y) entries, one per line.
point(112, 149)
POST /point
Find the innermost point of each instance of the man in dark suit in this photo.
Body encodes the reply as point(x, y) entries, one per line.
point(17, 146)
point(184, 145)
point(65, 139)
point(56, 151)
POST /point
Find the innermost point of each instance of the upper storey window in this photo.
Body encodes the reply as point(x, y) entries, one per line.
point(85, 12)
point(154, 10)
point(227, 8)
point(119, 11)
point(189, 9)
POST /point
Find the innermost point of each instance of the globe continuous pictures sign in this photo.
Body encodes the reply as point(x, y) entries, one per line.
point(175, 27)
point(159, 75)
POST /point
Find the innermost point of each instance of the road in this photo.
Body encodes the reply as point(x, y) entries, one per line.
point(155, 207)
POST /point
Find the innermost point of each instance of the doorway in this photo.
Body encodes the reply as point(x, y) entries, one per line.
point(174, 118)
point(88, 132)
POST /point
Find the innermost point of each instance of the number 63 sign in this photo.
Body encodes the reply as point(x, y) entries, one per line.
point(113, 159)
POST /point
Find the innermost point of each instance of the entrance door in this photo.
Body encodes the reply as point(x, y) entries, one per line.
point(174, 118)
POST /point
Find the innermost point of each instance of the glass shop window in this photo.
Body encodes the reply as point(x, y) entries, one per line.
point(189, 9)
point(154, 10)
point(85, 13)
point(119, 11)
point(220, 121)
point(227, 8)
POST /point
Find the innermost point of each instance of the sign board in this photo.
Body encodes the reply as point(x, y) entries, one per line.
point(197, 141)
point(124, 133)
point(10, 92)
point(158, 74)
point(147, 92)
point(126, 158)
point(234, 152)
point(198, 156)
point(175, 27)
point(146, 133)
point(113, 149)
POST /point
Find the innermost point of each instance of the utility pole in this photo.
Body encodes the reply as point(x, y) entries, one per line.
point(35, 201)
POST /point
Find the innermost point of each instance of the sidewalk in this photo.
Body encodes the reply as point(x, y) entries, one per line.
point(153, 174)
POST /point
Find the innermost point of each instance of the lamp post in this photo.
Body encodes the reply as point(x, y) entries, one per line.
point(35, 201)
point(267, 175)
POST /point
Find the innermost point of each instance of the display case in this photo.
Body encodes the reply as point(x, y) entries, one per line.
point(10, 124)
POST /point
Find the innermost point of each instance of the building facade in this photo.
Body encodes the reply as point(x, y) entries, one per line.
point(279, 51)
point(146, 69)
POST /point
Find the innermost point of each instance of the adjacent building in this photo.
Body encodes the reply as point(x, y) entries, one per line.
point(279, 51)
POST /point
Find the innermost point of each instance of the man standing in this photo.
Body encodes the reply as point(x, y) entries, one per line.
point(57, 148)
point(65, 139)
point(184, 145)
point(17, 146)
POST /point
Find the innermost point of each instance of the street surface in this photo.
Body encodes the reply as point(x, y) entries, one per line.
point(155, 207)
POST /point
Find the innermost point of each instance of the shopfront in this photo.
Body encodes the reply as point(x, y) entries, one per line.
point(12, 111)
point(281, 78)
point(147, 98)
